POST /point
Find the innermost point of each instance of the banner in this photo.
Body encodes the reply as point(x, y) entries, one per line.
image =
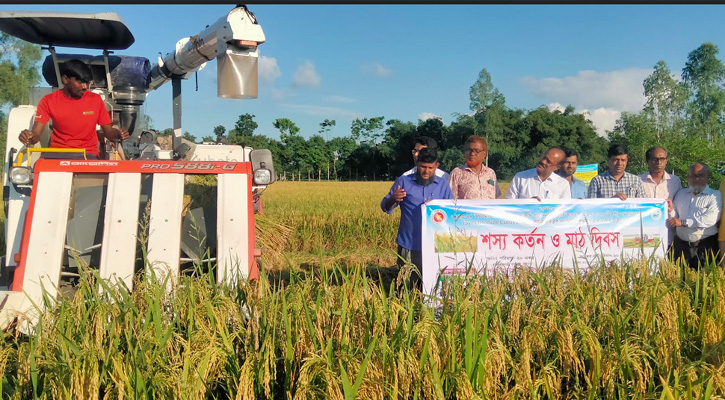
point(500, 234)
point(586, 172)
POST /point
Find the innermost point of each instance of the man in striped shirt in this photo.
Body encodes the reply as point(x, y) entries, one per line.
point(616, 182)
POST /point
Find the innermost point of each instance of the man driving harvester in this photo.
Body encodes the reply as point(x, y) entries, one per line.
point(75, 111)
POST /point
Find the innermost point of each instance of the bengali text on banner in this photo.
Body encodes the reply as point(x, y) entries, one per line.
point(484, 235)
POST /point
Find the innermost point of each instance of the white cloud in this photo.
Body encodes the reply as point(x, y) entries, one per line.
point(618, 90)
point(603, 118)
point(321, 111)
point(340, 99)
point(306, 75)
point(377, 70)
point(426, 116)
point(268, 69)
point(278, 94)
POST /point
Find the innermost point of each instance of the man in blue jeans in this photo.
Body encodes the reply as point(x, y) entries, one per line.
point(410, 192)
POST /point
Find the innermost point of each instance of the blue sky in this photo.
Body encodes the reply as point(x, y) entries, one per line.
point(416, 61)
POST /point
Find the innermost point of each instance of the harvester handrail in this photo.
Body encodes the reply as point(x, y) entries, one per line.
point(29, 150)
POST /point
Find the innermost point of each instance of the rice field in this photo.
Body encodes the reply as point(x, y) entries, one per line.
point(332, 330)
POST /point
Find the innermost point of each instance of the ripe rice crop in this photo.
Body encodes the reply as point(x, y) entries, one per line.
point(338, 221)
point(614, 332)
point(334, 331)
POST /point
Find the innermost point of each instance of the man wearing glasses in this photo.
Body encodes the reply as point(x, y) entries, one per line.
point(422, 143)
point(75, 111)
point(473, 180)
point(541, 182)
point(657, 183)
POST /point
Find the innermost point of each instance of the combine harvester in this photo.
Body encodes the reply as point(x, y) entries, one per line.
point(60, 214)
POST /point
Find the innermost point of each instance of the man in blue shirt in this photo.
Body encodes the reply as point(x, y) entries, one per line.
point(410, 192)
point(567, 170)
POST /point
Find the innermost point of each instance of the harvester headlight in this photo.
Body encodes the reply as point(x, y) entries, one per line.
point(262, 176)
point(20, 175)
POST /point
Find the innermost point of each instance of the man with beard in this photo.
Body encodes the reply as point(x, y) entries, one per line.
point(75, 111)
point(422, 143)
point(567, 170)
point(473, 180)
point(410, 192)
point(616, 182)
point(698, 210)
point(541, 182)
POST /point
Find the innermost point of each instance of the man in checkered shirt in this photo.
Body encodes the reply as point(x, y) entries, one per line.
point(616, 182)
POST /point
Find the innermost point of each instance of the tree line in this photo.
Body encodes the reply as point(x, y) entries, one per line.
point(685, 114)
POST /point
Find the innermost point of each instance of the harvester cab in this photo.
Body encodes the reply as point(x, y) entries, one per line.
point(134, 209)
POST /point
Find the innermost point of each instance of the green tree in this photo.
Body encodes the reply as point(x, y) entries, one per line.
point(291, 144)
point(219, 131)
point(367, 130)
point(207, 138)
point(188, 136)
point(245, 125)
point(341, 149)
point(665, 102)
point(18, 73)
point(166, 132)
point(483, 94)
point(433, 128)
point(326, 127)
point(704, 74)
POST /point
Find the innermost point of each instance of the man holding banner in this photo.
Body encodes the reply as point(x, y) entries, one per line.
point(567, 170)
point(657, 183)
point(616, 182)
point(411, 192)
point(541, 182)
point(698, 210)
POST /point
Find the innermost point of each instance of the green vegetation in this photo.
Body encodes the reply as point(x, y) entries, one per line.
point(614, 332)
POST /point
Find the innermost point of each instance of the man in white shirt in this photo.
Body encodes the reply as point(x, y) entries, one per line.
point(541, 182)
point(657, 183)
point(698, 210)
point(422, 143)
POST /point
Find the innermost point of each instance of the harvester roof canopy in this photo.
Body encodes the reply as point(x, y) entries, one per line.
point(82, 30)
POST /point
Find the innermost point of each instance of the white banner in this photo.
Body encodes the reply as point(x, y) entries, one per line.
point(483, 235)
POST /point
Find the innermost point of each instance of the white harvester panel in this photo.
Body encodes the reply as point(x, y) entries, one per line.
point(232, 227)
point(43, 251)
point(118, 251)
point(47, 235)
point(164, 224)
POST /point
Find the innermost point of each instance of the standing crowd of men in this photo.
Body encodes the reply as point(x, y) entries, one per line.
point(693, 212)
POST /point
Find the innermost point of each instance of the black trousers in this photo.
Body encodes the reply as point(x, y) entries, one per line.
point(696, 253)
point(416, 258)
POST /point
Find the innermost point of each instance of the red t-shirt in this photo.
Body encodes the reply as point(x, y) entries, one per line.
point(74, 120)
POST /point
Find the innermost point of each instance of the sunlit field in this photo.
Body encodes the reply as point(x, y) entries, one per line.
point(331, 221)
point(331, 329)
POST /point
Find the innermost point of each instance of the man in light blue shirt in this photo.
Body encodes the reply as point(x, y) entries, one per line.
point(410, 192)
point(567, 170)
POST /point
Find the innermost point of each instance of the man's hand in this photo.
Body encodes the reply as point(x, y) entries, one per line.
point(124, 134)
point(669, 205)
point(399, 194)
point(537, 198)
point(27, 137)
point(621, 196)
point(674, 222)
